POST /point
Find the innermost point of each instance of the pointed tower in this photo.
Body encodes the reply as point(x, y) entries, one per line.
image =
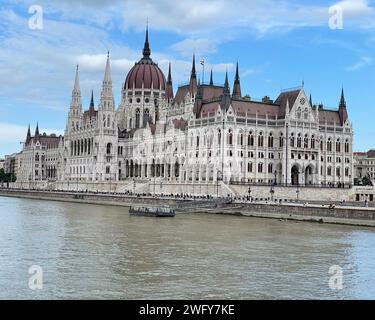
point(36, 135)
point(226, 100)
point(237, 85)
point(146, 47)
point(75, 111)
point(28, 136)
point(342, 108)
point(211, 79)
point(169, 85)
point(107, 140)
point(92, 105)
point(193, 78)
point(76, 101)
point(107, 103)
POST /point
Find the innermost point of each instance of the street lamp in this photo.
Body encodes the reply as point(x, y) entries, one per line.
point(249, 192)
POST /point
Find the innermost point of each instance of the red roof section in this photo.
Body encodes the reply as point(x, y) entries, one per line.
point(145, 72)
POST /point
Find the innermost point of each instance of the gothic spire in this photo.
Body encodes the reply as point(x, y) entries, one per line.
point(76, 81)
point(343, 113)
point(226, 84)
point(146, 47)
point(193, 78)
point(37, 130)
point(107, 73)
point(193, 71)
point(342, 99)
point(211, 79)
point(92, 106)
point(28, 136)
point(237, 84)
point(169, 86)
point(76, 93)
point(169, 74)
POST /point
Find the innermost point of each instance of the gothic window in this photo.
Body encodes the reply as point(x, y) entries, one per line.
point(338, 145)
point(260, 139)
point(260, 167)
point(108, 121)
point(270, 141)
point(146, 117)
point(137, 118)
point(338, 172)
point(240, 139)
point(281, 140)
point(230, 137)
point(329, 171)
point(299, 141)
point(312, 142)
point(299, 113)
point(250, 167)
point(107, 170)
point(197, 142)
point(109, 147)
point(270, 168)
point(306, 142)
point(329, 145)
point(292, 140)
point(346, 172)
point(346, 146)
point(250, 139)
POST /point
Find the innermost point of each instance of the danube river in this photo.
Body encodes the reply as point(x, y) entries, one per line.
point(100, 252)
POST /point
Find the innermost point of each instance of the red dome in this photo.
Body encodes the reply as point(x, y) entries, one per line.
point(147, 72)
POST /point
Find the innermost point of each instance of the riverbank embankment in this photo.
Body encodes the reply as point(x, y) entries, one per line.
point(321, 213)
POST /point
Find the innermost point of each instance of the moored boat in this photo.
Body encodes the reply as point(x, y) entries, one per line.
point(152, 211)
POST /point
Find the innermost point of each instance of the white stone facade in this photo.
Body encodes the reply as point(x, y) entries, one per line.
point(200, 135)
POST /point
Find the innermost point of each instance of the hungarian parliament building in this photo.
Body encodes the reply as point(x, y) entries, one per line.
point(204, 133)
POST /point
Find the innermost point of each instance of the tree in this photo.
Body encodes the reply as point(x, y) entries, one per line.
point(366, 181)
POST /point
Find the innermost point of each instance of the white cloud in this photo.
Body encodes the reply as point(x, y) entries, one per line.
point(363, 62)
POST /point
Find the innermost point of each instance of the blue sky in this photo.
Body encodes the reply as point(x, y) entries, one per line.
point(278, 45)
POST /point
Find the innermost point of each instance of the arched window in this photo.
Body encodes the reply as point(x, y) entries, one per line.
point(240, 139)
point(250, 167)
point(250, 139)
point(292, 140)
point(109, 147)
point(270, 168)
point(338, 172)
point(281, 140)
point(260, 167)
point(137, 118)
point(270, 141)
point(338, 145)
point(329, 145)
point(299, 141)
point(306, 142)
point(146, 117)
point(347, 146)
point(197, 142)
point(329, 171)
point(312, 142)
point(260, 139)
point(346, 172)
point(230, 137)
point(219, 137)
point(108, 121)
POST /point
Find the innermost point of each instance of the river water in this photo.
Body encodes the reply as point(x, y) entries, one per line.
point(100, 252)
